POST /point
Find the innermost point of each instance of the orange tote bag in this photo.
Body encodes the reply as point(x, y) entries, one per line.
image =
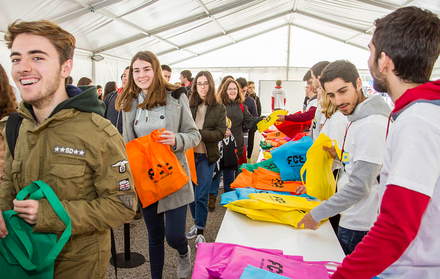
point(192, 164)
point(156, 171)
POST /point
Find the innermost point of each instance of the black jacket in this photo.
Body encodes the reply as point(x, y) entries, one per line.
point(214, 129)
point(238, 119)
point(257, 102)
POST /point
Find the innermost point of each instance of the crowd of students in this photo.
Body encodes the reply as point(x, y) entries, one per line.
point(388, 171)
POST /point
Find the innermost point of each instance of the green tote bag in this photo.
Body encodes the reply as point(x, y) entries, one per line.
point(27, 254)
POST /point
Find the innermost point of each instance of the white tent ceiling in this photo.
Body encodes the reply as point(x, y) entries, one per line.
point(184, 32)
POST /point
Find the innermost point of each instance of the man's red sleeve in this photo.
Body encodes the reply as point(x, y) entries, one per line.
point(301, 117)
point(396, 227)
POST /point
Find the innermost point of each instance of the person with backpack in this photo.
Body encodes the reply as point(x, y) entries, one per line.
point(231, 96)
point(149, 102)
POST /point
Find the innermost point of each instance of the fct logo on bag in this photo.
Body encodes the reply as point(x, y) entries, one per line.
point(277, 199)
point(277, 183)
point(151, 172)
point(296, 159)
point(272, 266)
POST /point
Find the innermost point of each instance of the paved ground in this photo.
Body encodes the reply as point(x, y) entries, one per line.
point(139, 244)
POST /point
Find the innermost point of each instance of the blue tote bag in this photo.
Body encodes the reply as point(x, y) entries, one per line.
point(290, 158)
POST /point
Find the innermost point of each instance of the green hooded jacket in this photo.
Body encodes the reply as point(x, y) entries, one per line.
point(82, 157)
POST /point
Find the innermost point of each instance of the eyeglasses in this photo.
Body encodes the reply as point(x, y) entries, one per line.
point(232, 89)
point(203, 84)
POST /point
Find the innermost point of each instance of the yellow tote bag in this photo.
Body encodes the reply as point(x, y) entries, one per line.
point(254, 214)
point(270, 120)
point(284, 202)
point(320, 182)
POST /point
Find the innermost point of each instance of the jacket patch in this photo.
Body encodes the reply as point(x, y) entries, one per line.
point(127, 200)
point(124, 185)
point(121, 165)
point(69, 150)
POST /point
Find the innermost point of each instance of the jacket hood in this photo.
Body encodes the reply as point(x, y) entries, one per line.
point(426, 93)
point(372, 105)
point(83, 98)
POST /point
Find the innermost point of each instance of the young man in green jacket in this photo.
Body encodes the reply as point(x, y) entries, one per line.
point(64, 141)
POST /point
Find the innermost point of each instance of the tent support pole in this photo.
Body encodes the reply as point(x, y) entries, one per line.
point(288, 52)
point(93, 71)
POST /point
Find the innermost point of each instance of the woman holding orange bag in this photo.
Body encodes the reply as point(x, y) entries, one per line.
point(210, 118)
point(148, 103)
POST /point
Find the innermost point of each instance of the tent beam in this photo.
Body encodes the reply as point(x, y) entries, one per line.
point(229, 44)
point(330, 37)
point(176, 24)
point(230, 31)
point(85, 10)
point(214, 20)
point(294, 9)
point(330, 21)
point(380, 4)
point(371, 28)
point(139, 8)
point(132, 25)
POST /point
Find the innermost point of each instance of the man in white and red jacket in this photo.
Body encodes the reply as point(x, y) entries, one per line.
point(404, 242)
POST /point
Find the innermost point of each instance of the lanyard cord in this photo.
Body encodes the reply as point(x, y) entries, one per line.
point(343, 145)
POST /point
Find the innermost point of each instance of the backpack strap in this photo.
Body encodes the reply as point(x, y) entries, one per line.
point(176, 93)
point(12, 129)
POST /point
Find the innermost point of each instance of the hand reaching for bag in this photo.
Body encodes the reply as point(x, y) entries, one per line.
point(301, 190)
point(27, 210)
point(309, 222)
point(168, 138)
point(331, 151)
point(3, 230)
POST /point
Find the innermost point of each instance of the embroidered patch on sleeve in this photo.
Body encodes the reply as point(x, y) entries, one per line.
point(124, 185)
point(69, 150)
point(121, 164)
point(127, 200)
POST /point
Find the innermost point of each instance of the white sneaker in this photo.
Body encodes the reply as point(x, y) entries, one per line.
point(184, 268)
point(200, 239)
point(192, 233)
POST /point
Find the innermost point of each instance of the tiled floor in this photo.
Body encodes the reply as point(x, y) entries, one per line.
point(139, 244)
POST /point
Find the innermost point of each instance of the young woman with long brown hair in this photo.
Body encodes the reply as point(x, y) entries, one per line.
point(239, 115)
point(210, 118)
point(149, 102)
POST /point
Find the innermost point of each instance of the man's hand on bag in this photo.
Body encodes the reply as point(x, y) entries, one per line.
point(27, 210)
point(331, 151)
point(309, 222)
point(168, 138)
point(281, 118)
point(3, 230)
point(300, 190)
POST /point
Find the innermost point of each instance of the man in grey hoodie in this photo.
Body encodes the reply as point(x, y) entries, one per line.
point(362, 154)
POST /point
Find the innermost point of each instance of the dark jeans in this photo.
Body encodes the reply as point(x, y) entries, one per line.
point(349, 239)
point(199, 207)
point(228, 178)
point(251, 138)
point(174, 230)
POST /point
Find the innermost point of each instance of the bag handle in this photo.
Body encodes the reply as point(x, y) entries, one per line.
point(157, 161)
point(39, 189)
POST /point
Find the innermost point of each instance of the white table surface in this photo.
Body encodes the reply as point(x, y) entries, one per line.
point(319, 245)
